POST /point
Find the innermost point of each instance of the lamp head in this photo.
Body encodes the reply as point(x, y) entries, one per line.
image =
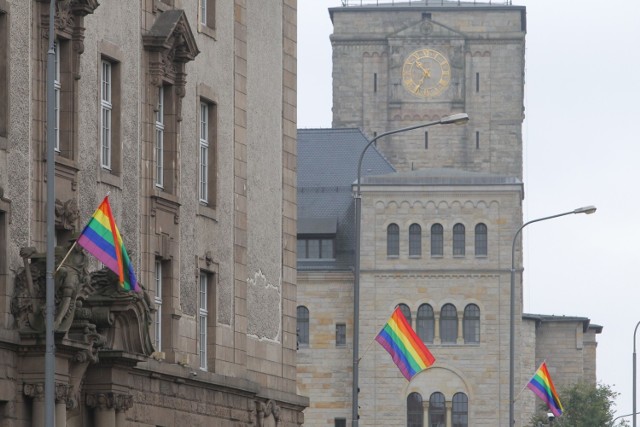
point(585, 210)
point(458, 118)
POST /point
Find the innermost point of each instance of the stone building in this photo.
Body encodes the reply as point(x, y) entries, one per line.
point(161, 105)
point(440, 206)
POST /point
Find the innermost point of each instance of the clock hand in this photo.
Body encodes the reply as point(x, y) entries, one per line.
point(425, 71)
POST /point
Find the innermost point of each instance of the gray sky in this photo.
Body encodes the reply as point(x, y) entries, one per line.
point(581, 147)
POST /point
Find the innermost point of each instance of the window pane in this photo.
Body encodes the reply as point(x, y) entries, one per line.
point(415, 412)
point(302, 248)
point(393, 240)
point(471, 325)
point(303, 325)
point(481, 240)
point(327, 248)
point(425, 323)
point(460, 410)
point(449, 324)
point(415, 240)
point(436, 410)
point(437, 240)
point(313, 248)
point(458, 239)
point(406, 311)
point(341, 334)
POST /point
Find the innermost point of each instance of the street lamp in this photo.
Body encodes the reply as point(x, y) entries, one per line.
point(634, 374)
point(586, 210)
point(459, 118)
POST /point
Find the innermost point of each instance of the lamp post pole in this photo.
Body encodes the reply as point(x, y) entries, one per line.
point(453, 119)
point(512, 328)
point(634, 374)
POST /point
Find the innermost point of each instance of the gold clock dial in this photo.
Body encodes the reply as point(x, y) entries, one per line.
point(426, 73)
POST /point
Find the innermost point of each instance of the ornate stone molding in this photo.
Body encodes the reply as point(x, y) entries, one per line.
point(34, 391)
point(67, 214)
point(100, 401)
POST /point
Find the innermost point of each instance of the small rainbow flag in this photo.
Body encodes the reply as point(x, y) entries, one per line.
point(405, 347)
point(101, 238)
point(542, 385)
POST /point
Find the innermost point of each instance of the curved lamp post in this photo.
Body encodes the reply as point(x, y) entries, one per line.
point(459, 118)
point(585, 210)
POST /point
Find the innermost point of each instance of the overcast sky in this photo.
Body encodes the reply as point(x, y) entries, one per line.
point(581, 147)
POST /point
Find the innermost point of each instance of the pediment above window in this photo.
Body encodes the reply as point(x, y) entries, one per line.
point(172, 33)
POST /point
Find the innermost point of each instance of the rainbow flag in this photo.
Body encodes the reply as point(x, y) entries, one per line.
point(101, 239)
point(542, 385)
point(405, 347)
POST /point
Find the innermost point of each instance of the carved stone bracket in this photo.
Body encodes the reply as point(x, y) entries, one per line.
point(100, 401)
point(267, 409)
point(123, 402)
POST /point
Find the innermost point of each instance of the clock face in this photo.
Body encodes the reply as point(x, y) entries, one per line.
point(426, 73)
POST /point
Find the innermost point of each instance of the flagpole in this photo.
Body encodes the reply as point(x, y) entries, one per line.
point(49, 356)
point(66, 256)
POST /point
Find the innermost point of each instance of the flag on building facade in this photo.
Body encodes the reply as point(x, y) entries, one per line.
point(405, 347)
point(102, 239)
point(542, 385)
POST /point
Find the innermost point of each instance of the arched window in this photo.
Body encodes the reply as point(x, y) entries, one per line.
point(458, 239)
point(437, 240)
point(415, 413)
point(449, 323)
point(303, 325)
point(425, 323)
point(471, 324)
point(437, 416)
point(481, 240)
point(406, 311)
point(393, 240)
point(415, 240)
point(460, 410)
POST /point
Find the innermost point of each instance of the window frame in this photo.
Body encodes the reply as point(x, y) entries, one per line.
point(415, 410)
point(426, 324)
point(203, 319)
point(471, 324)
point(203, 165)
point(341, 334)
point(448, 324)
point(415, 240)
point(157, 299)
point(302, 325)
point(322, 241)
point(437, 240)
point(481, 240)
point(106, 114)
point(460, 399)
point(459, 240)
point(437, 409)
point(393, 240)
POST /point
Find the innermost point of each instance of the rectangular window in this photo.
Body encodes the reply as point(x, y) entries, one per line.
point(159, 142)
point(57, 89)
point(340, 422)
point(106, 107)
point(203, 315)
point(158, 302)
point(341, 334)
point(204, 152)
point(207, 13)
point(426, 140)
point(477, 140)
point(477, 82)
point(319, 248)
point(375, 82)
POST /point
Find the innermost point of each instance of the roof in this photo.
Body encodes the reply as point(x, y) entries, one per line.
point(546, 318)
point(327, 166)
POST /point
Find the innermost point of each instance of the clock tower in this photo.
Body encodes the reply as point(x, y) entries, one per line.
point(397, 65)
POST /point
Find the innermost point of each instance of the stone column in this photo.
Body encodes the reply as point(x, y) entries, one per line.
point(425, 412)
point(436, 329)
point(448, 405)
point(62, 393)
point(104, 405)
point(460, 339)
point(123, 402)
point(36, 393)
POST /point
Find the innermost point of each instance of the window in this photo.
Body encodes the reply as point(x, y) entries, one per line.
point(437, 240)
point(340, 422)
point(477, 82)
point(203, 321)
point(458, 240)
point(159, 147)
point(406, 311)
point(481, 240)
point(448, 324)
point(4, 87)
point(207, 182)
point(460, 410)
point(426, 140)
point(57, 89)
point(425, 323)
point(415, 240)
point(471, 324)
point(315, 248)
point(437, 416)
point(415, 412)
point(375, 82)
point(477, 140)
point(341, 334)
point(106, 108)
point(207, 13)
point(303, 325)
point(393, 240)
point(158, 302)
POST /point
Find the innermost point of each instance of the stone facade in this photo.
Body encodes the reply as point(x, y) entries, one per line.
point(186, 85)
point(437, 234)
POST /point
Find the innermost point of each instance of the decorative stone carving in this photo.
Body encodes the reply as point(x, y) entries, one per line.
point(67, 214)
point(268, 414)
point(100, 401)
point(34, 391)
point(123, 402)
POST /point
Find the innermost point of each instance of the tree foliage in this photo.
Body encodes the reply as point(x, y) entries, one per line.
point(585, 405)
